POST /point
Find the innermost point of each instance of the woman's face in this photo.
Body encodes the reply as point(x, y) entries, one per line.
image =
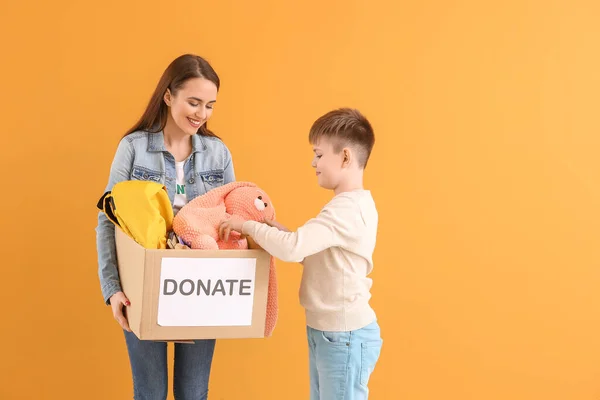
point(192, 105)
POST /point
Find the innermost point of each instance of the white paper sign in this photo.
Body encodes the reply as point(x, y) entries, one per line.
point(206, 291)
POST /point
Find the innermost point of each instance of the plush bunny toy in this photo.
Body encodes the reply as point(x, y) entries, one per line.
point(197, 224)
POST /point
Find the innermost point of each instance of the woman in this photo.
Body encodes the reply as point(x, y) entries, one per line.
point(170, 144)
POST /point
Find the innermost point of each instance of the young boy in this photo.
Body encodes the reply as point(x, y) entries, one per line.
point(336, 250)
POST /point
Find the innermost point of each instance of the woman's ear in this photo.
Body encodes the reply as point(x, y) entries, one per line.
point(168, 97)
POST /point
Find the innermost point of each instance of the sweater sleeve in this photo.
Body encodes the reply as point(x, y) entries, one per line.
point(334, 226)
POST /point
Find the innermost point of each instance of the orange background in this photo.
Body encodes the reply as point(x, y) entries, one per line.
point(485, 173)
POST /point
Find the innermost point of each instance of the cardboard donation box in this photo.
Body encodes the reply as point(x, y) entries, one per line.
point(181, 295)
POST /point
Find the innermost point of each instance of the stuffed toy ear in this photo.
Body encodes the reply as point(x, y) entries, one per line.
point(214, 197)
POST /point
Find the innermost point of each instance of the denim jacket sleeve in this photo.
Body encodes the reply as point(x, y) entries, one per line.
point(228, 173)
point(120, 170)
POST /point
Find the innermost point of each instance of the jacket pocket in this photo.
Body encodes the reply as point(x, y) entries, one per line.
point(212, 179)
point(145, 174)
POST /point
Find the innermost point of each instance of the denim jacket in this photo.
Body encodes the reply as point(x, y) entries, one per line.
point(143, 156)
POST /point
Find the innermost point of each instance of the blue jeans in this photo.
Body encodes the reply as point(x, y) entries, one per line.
point(342, 362)
point(149, 368)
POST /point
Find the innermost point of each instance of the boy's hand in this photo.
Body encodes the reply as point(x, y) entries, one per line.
point(230, 225)
point(276, 224)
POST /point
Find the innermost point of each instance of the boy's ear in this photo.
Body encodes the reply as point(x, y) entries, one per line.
point(346, 157)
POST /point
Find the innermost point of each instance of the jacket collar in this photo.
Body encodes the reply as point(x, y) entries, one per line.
point(156, 143)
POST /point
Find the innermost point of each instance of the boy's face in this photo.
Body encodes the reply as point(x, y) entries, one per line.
point(328, 164)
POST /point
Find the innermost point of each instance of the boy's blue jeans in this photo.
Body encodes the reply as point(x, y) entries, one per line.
point(342, 362)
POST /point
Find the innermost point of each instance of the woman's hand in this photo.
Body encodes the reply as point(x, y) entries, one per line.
point(117, 301)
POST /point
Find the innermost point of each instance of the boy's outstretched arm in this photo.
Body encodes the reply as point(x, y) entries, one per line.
point(336, 225)
point(253, 245)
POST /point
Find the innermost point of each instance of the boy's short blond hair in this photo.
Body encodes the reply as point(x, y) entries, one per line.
point(346, 127)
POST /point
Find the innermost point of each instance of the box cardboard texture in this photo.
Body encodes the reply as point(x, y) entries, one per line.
point(140, 275)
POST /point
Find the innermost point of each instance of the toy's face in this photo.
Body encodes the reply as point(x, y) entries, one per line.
point(250, 203)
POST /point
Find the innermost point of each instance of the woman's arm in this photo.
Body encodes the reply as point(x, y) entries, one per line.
point(105, 237)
